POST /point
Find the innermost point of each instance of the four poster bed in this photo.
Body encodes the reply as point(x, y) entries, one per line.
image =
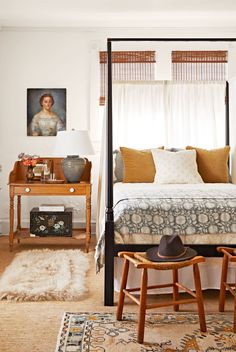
point(128, 194)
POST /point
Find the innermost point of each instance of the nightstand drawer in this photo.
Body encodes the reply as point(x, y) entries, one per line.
point(46, 189)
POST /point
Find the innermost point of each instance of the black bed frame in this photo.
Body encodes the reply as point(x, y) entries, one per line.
point(111, 249)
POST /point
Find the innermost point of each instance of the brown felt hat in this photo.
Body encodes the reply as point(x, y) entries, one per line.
point(170, 249)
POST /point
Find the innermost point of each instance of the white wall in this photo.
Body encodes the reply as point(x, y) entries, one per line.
point(54, 59)
point(39, 60)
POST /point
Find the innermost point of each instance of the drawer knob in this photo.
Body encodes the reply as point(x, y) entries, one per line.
point(72, 190)
point(27, 189)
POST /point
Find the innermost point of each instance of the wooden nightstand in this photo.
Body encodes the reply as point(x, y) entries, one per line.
point(18, 186)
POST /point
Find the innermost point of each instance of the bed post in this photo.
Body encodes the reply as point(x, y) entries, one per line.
point(227, 141)
point(109, 226)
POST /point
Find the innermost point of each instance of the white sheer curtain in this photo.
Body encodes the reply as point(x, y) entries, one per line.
point(196, 114)
point(139, 114)
point(173, 114)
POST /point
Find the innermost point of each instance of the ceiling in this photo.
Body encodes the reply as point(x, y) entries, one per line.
point(114, 13)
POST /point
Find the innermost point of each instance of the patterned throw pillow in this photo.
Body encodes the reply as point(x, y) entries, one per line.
point(178, 167)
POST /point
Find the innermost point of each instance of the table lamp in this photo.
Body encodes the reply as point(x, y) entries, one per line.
point(73, 144)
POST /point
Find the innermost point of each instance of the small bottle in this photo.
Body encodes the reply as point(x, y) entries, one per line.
point(45, 171)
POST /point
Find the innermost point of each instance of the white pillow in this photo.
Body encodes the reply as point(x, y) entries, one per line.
point(176, 167)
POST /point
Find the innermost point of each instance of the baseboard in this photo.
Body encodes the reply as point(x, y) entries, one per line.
point(4, 226)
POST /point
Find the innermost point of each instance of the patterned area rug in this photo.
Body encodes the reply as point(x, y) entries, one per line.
point(45, 275)
point(177, 332)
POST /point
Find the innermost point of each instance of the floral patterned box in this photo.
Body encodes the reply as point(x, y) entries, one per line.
point(51, 223)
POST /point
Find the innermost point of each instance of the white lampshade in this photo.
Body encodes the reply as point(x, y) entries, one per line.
point(74, 142)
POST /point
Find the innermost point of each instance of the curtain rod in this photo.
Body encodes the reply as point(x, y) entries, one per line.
point(172, 39)
point(161, 81)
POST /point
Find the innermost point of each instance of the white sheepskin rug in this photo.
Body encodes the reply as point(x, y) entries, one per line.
point(44, 275)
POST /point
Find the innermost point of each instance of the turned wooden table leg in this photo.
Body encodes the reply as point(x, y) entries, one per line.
point(18, 226)
point(11, 230)
point(175, 289)
point(88, 219)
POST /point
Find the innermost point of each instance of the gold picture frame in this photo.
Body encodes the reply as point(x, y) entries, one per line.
point(39, 167)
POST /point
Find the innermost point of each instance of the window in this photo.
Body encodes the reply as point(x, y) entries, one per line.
point(127, 66)
point(199, 65)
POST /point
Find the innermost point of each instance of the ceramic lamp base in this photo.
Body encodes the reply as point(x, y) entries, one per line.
point(73, 167)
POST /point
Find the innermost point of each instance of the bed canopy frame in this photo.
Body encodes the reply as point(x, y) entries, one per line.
point(111, 249)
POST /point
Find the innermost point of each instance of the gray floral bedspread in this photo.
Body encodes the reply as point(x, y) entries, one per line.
point(183, 209)
point(180, 209)
point(175, 215)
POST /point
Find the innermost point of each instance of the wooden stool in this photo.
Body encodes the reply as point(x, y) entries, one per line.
point(141, 262)
point(229, 256)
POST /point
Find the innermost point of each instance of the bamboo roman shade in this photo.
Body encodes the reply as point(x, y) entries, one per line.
point(199, 65)
point(127, 66)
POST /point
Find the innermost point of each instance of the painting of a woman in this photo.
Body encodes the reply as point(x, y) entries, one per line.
point(46, 121)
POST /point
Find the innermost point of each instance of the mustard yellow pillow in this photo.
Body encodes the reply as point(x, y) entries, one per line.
point(213, 164)
point(139, 165)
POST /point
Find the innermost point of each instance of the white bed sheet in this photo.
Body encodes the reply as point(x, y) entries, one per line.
point(151, 190)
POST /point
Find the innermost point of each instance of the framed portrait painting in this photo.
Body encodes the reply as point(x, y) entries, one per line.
point(46, 111)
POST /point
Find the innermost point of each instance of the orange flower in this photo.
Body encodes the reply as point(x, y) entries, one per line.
point(28, 160)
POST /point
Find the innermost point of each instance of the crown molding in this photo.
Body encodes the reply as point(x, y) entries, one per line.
point(216, 31)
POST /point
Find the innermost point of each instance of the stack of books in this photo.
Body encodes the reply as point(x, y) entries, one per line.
point(52, 207)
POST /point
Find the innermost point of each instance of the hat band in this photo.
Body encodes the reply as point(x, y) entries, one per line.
point(172, 256)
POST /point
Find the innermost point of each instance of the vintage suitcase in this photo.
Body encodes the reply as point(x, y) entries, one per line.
point(51, 223)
